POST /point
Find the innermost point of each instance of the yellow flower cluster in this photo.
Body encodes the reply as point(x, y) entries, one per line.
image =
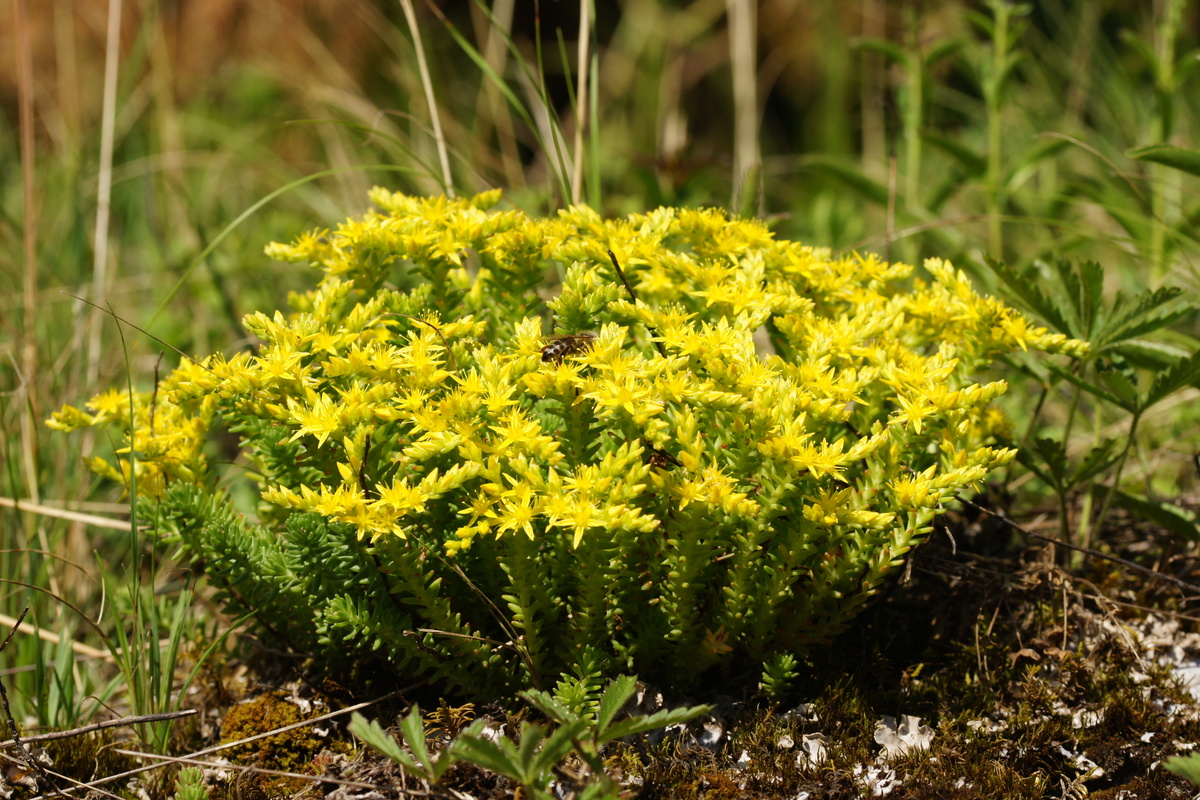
point(164, 440)
point(781, 380)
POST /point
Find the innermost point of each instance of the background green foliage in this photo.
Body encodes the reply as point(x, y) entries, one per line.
point(954, 129)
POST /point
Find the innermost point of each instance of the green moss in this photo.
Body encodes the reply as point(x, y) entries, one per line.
point(290, 751)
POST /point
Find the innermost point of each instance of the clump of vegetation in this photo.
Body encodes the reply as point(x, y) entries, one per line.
point(652, 487)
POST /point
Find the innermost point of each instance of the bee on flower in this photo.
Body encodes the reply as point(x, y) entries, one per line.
point(561, 347)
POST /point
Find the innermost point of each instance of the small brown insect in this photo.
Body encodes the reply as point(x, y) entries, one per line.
point(562, 346)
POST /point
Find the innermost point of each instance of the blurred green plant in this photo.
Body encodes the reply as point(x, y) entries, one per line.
point(531, 761)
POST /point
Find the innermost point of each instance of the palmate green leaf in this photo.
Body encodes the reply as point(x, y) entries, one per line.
point(1184, 159)
point(1180, 521)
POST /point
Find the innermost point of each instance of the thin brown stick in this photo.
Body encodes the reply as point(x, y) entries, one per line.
point(247, 768)
point(112, 723)
point(633, 295)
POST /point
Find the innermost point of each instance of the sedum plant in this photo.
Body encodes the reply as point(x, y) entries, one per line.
point(736, 439)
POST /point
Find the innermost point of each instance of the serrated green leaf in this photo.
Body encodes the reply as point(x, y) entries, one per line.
point(1122, 387)
point(1178, 520)
point(557, 746)
point(1090, 301)
point(1184, 159)
point(498, 755)
point(413, 729)
point(1049, 309)
point(1143, 314)
point(371, 733)
point(1147, 354)
point(1184, 373)
point(614, 699)
point(549, 705)
point(659, 719)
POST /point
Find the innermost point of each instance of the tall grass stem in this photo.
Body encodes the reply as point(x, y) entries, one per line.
point(435, 118)
point(108, 116)
point(743, 62)
point(581, 97)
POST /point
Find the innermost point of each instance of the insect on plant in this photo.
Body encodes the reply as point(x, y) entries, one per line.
point(560, 347)
point(659, 459)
